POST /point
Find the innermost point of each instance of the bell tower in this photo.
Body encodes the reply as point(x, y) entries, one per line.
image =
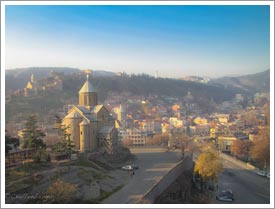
point(87, 94)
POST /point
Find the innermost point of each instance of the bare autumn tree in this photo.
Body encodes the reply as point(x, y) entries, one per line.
point(250, 118)
point(260, 151)
point(241, 148)
point(61, 192)
point(159, 139)
point(127, 142)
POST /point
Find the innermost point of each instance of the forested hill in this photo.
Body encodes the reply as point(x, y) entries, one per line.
point(143, 85)
point(259, 82)
point(18, 78)
point(146, 85)
point(220, 89)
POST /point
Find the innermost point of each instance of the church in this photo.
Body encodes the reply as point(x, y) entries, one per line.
point(91, 126)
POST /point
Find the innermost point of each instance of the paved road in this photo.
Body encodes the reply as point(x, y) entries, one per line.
point(153, 164)
point(247, 186)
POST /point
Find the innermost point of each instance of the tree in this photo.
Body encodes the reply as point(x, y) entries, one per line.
point(127, 142)
point(250, 118)
point(65, 144)
point(32, 134)
point(10, 143)
point(208, 165)
point(260, 151)
point(241, 148)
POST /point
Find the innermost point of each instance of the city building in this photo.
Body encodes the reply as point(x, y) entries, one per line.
point(224, 143)
point(138, 137)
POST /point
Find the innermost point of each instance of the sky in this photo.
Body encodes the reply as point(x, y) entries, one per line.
point(174, 41)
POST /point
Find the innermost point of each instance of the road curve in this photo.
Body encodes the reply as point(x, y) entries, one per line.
point(247, 186)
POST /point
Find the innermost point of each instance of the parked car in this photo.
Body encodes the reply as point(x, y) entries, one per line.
point(224, 198)
point(129, 167)
point(225, 195)
point(228, 193)
point(268, 175)
point(261, 173)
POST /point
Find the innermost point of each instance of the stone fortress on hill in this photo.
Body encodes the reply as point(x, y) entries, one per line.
point(91, 126)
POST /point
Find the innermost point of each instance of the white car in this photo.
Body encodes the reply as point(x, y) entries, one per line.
point(127, 168)
point(228, 193)
point(268, 175)
point(261, 173)
point(225, 198)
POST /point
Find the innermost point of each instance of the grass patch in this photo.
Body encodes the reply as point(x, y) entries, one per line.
point(81, 161)
point(32, 167)
point(15, 173)
point(17, 186)
point(85, 175)
point(103, 165)
point(100, 176)
point(103, 196)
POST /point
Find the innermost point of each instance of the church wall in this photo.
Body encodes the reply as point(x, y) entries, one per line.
point(88, 99)
point(93, 137)
point(104, 118)
point(93, 99)
point(73, 123)
point(103, 115)
point(84, 137)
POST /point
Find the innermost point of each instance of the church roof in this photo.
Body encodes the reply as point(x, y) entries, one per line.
point(83, 109)
point(106, 129)
point(73, 114)
point(90, 117)
point(96, 108)
point(84, 123)
point(87, 87)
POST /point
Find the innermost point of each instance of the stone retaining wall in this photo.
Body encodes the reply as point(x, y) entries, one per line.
point(151, 195)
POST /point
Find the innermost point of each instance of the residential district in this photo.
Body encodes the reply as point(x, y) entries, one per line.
point(136, 122)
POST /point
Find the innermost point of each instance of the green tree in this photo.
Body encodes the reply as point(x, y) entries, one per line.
point(10, 143)
point(32, 134)
point(65, 144)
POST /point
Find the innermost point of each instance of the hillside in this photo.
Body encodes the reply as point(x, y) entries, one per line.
point(259, 82)
point(223, 89)
point(17, 107)
point(18, 78)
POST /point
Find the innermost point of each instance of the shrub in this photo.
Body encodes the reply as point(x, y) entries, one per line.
point(36, 159)
point(62, 192)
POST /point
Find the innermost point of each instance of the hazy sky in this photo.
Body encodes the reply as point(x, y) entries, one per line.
point(176, 41)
